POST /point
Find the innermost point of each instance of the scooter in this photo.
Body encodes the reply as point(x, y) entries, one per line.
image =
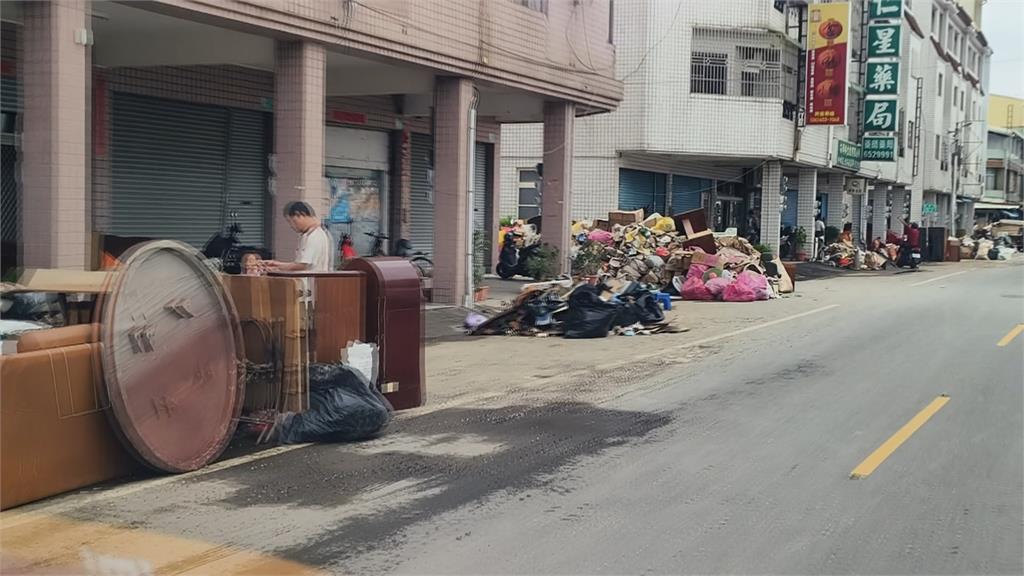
point(228, 248)
point(512, 260)
point(909, 256)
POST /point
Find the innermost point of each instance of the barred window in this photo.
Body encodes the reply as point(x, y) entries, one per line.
point(708, 73)
point(742, 63)
point(759, 72)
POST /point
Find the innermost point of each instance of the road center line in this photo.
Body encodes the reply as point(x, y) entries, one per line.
point(939, 278)
point(1011, 335)
point(889, 446)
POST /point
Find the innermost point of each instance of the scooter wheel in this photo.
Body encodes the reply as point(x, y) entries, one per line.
point(504, 271)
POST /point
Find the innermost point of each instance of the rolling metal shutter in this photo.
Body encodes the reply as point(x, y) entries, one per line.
point(686, 192)
point(421, 223)
point(482, 197)
point(247, 176)
point(789, 214)
point(639, 189)
point(180, 169)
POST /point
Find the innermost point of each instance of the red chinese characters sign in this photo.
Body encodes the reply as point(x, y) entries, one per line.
point(827, 58)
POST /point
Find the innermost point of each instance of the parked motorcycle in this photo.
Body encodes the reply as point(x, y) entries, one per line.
point(226, 247)
point(512, 260)
point(403, 249)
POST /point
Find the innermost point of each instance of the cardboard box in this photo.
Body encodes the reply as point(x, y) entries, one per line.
point(270, 308)
point(625, 217)
point(55, 435)
point(705, 259)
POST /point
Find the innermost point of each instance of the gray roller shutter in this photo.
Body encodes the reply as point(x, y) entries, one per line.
point(179, 169)
point(247, 177)
point(421, 218)
point(642, 190)
point(483, 196)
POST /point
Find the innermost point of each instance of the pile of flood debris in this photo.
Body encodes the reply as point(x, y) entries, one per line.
point(627, 271)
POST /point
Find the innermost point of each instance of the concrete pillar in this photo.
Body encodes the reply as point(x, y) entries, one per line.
point(837, 213)
point(916, 201)
point(556, 220)
point(771, 190)
point(879, 224)
point(56, 211)
point(899, 196)
point(453, 98)
point(859, 210)
point(299, 103)
point(807, 193)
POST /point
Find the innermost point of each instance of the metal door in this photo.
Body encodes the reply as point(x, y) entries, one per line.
point(179, 170)
point(642, 190)
point(421, 217)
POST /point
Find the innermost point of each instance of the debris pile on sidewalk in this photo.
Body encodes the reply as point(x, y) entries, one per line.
point(629, 269)
point(994, 241)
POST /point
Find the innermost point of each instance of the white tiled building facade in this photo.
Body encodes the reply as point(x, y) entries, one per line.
point(713, 111)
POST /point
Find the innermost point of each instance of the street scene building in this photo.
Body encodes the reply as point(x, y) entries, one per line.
point(713, 116)
point(316, 287)
point(174, 119)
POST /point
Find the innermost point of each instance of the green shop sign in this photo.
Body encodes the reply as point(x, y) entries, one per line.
point(884, 41)
point(880, 148)
point(883, 78)
point(847, 155)
point(885, 9)
point(880, 115)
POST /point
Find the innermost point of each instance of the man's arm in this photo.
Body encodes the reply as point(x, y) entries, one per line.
point(285, 266)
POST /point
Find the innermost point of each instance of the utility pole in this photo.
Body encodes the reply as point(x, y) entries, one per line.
point(954, 179)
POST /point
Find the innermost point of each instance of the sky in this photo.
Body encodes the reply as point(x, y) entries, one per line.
point(1002, 21)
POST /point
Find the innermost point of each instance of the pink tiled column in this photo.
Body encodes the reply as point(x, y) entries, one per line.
point(56, 155)
point(454, 97)
point(559, 120)
point(299, 103)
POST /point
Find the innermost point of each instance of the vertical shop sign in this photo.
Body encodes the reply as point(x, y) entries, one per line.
point(827, 63)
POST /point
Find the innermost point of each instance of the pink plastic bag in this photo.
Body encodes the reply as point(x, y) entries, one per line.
point(694, 289)
point(748, 287)
point(601, 236)
point(717, 285)
point(696, 271)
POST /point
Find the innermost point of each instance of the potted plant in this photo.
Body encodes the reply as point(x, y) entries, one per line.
point(543, 264)
point(480, 249)
point(801, 241)
point(588, 261)
point(766, 252)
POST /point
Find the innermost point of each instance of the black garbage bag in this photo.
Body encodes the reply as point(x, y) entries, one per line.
point(638, 306)
point(343, 406)
point(589, 316)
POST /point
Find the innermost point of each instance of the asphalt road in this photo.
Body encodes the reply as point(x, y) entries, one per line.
point(747, 467)
point(736, 460)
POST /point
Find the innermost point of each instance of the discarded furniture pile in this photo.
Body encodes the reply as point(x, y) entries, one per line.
point(628, 269)
point(158, 364)
point(997, 241)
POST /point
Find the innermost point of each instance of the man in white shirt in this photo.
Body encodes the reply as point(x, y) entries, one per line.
point(314, 251)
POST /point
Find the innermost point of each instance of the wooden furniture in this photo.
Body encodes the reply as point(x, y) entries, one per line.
point(55, 434)
point(339, 311)
point(395, 323)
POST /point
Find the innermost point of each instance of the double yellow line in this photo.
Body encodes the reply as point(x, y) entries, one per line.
point(896, 440)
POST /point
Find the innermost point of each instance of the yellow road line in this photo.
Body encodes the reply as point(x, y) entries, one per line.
point(889, 446)
point(1011, 335)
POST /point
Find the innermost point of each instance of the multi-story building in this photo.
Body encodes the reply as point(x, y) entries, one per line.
point(171, 118)
point(714, 116)
point(1004, 174)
